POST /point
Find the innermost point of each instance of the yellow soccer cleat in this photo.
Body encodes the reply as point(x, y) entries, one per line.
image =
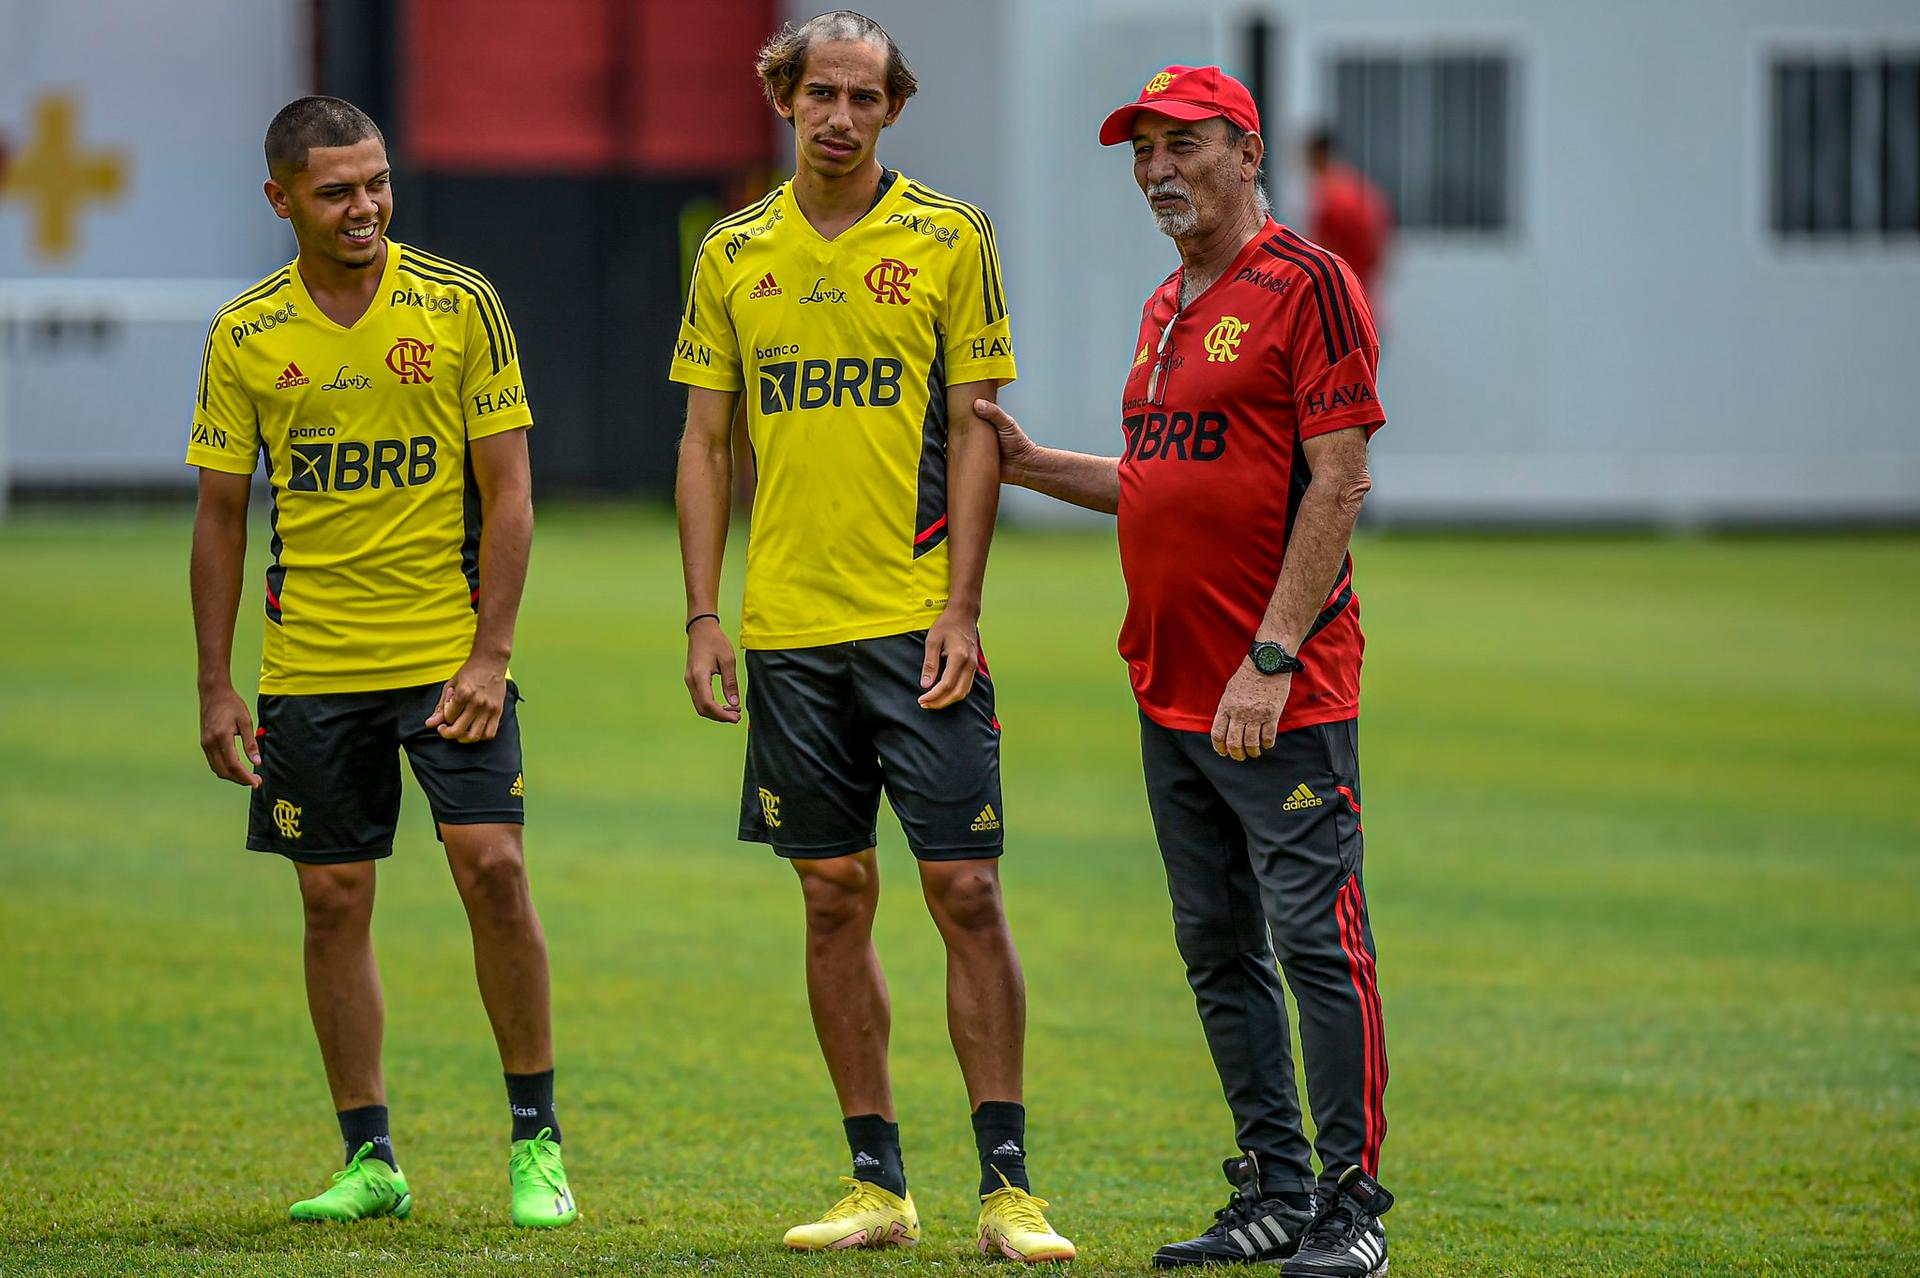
point(868, 1216)
point(1012, 1225)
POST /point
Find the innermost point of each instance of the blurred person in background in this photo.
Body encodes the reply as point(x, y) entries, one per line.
point(1347, 214)
point(861, 314)
point(383, 385)
point(1246, 416)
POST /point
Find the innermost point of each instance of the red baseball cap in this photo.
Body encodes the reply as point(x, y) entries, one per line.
point(1185, 93)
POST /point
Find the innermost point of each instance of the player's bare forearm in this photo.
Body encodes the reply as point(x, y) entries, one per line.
point(703, 494)
point(504, 477)
point(973, 496)
point(218, 564)
point(1322, 531)
point(1080, 479)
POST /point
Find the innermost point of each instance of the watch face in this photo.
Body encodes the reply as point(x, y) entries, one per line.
point(1267, 658)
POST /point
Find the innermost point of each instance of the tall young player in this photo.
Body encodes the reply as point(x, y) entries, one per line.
point(383, 385)
point(861, 314)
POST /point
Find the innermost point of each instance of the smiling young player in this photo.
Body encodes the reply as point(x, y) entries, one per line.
point(861, 315)
point(383, 385)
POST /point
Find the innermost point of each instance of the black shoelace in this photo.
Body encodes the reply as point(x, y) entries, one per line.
point(1238, 1211)
point(1335, 1228)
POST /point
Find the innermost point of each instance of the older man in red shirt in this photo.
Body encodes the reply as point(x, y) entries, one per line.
point(1246, 416)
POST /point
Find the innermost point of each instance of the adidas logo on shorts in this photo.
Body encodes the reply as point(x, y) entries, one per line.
point(1302, 798)
point(987, 820)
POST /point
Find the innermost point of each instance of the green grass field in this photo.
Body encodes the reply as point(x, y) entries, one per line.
point(1644, 858)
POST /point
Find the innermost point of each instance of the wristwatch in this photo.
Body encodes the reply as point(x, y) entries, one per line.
point(1272, 659)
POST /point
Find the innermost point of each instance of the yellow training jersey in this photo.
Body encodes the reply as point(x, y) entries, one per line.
point(375, 517)
point(845, 349)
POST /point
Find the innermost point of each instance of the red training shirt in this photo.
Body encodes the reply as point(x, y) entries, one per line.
point(1279, 349)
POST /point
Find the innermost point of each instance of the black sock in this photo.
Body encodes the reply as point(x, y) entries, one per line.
point(530, 1098)
point(367, 1124)
point(875, 1146)
point(1000, 1134)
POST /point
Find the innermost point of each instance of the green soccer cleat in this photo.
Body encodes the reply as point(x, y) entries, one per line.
point(363, 1189)
point(541, 1199)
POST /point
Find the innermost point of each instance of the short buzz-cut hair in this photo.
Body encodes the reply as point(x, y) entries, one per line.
point(314, 121)
point(784, 56)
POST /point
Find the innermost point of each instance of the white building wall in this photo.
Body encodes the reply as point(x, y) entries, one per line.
point(1638, 346)
point(100, 345)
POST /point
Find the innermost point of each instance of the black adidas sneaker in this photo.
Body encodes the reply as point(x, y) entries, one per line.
point(1345, 1239)
point(1248, 1230)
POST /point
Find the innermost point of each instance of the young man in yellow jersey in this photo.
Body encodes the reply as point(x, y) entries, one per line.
point(383, 385)
point(860, 314)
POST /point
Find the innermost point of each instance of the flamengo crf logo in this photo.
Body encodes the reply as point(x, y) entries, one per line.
point(816, 383)
point(888, 277)
point(411, 361)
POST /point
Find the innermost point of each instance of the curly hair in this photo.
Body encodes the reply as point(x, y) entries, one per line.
point(783, 56)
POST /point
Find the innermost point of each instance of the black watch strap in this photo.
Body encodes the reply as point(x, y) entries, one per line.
point(1271, 659)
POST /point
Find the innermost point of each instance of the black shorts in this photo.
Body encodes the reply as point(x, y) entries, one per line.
point(331, 772)
point(830, 727)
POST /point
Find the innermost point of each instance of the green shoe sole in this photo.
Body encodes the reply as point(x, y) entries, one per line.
point(401, 1210)
point(549, 1222)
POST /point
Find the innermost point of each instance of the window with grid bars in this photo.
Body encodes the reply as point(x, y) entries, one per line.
point(1433, 129)
point(1846, 145)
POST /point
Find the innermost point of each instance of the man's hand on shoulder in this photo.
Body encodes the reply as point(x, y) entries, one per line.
point(953, 655)
point(472, 702)
point(1248, 719)
point(223, 719)
point(710, 654)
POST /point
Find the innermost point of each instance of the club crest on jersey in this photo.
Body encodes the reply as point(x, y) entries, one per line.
point(1223, 340)
point(411, 360)
point(888, 280)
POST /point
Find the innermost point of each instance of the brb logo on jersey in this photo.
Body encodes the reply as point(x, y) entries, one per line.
point(1177, 436)
point(411, 361)
point(792, 385)
point(351, 466)
point(888, 277)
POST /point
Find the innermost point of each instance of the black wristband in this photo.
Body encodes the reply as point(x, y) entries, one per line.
point(702, 616)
